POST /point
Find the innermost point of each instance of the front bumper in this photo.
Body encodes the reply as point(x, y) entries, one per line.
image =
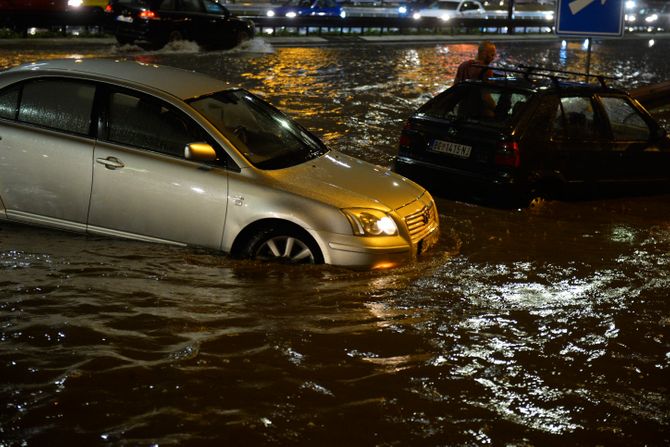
point(376, 252)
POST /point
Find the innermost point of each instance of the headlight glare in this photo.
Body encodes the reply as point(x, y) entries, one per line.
point(369, 222)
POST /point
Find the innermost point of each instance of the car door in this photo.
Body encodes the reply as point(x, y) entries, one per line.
point(578, 142)
point(205, 21)
point(634, 153)
point(471, 9)
point(46, 152)
point(143, 187)
point(325, 8)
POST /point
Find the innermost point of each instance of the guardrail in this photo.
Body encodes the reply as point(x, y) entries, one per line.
point(309, 25)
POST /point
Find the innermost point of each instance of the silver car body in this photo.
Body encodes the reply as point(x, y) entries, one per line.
point(451, 9)
point(88, 184)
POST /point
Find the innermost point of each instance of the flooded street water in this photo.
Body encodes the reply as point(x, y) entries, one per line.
point(534, 327)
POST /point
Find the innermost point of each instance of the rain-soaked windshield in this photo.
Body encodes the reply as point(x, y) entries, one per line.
point(265, 136)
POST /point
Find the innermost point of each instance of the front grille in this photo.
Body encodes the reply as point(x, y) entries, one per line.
point(421, 222)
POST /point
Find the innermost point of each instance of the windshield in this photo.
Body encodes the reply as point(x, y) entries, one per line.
point(265, 136)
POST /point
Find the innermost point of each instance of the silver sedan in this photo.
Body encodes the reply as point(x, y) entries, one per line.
point(158, 154)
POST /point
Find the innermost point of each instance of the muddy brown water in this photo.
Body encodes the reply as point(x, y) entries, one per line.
point(544, 326)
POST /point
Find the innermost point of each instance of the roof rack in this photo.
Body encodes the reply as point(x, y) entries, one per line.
point(533, 70)
point(555, 75)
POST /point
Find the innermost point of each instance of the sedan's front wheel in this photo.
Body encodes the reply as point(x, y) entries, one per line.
point(284, 245)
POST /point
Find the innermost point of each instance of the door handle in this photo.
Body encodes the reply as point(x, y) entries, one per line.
point(110, 162)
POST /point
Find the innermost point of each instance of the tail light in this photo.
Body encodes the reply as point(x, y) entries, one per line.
point(508, 154)
point(108, 8)
point(148, 14)
point(405, 139)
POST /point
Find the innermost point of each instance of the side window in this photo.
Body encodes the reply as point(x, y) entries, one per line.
point(543, 122)
point(191, 5)
point(214, 7)
point(625, 120)
point(574, 119)
point(147, 123)
point(9, 101)
point(168, 5)
point(58, 104)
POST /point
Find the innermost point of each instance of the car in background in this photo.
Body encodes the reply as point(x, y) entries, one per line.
point(648, 18)
point(450, 9)
point(310, 8)
point(515, 139)
point(20, 15)
point(158, 154)
point(154, 23)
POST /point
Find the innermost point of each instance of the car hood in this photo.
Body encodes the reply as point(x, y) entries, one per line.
point(348, 182)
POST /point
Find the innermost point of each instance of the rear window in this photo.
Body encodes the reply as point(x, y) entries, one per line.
point(136, 3)
point(57, 104)
point(485, 104)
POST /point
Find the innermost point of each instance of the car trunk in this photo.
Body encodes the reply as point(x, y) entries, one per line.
point(461, 145)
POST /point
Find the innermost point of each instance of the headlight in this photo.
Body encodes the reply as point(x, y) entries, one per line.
point(369, 222)
point(651, 18)
point(270, 13)
point(74, 3)
point(291, 14)
point(402, 10)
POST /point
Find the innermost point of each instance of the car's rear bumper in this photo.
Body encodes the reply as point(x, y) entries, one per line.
point(443, 180)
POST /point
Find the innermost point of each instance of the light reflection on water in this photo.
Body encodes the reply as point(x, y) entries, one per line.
point(529, 327)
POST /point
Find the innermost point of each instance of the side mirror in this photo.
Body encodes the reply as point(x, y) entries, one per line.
point(200, 152)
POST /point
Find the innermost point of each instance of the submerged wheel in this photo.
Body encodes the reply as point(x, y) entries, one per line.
point(242, 36)
point(175, 36)
point(285, 245)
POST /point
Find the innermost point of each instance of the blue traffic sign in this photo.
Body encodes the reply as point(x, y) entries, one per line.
point(590, 17)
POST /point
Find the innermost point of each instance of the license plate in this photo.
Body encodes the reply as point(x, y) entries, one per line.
point(124, 19)
point(447, 147)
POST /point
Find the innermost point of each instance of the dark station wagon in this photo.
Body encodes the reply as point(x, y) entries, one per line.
point(532, 133)
point(154, 23)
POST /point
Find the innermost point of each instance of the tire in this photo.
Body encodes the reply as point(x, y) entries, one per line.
point(285, 245)
point(175, 36)
point(241, 37)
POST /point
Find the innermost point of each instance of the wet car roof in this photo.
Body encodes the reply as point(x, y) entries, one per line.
point(181, 83)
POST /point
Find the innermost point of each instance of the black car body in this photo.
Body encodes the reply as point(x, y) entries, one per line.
point(154, 23)
point(548, 137)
